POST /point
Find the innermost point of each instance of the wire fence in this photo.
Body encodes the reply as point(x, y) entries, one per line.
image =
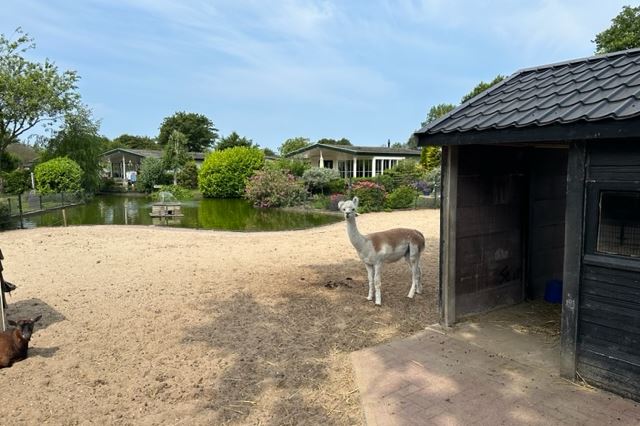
point(32, 202)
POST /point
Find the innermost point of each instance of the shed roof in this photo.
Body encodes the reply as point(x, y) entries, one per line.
point(359, 150)
point(598, 90)
point(146, 153)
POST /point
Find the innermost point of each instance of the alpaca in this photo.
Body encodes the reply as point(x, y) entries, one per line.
point(386, 246)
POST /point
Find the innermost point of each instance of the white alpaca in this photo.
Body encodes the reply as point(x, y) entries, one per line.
point(386, 246)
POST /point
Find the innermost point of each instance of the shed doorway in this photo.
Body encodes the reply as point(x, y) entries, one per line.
point(509, 241)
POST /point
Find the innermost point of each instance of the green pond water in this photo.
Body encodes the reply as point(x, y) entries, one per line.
point(232, 215)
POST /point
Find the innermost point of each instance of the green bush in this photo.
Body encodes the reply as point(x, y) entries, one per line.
point(58, 175)
point(177, 191)
point(17, 181)
point(317, 179)
point(224, 174)
point(5, 214)
point(152, 172)
point(402, 198)
point(320, 201)
point(371, 195)
point(274, 188)
point(294, 166)
point(337, 186)
point(188, 176)
point(404, 173)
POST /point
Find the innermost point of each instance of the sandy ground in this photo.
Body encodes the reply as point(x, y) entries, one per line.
point(145, 325)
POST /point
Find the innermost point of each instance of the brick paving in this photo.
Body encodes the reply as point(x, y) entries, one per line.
point(434, 379)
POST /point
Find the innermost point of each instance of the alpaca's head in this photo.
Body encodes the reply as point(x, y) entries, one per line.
point(349, 207)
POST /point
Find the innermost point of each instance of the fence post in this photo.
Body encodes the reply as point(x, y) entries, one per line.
point(20, 209)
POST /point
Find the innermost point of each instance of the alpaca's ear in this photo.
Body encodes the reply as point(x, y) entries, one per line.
point(340, 203)
point(355, 201)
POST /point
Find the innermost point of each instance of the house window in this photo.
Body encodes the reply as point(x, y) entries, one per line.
point(345, 168)
point(363, 168)
point(619, 223)
point(384, 164)
point(328, 164)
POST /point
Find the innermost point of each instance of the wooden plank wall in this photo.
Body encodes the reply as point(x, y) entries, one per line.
point(548, 195)
point(608, 344)
point(489, 228)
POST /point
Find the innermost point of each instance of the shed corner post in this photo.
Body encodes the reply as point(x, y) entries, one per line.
point(574, 234)
point(448, 215)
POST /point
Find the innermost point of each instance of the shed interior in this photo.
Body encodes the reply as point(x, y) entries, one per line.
point(509, 224)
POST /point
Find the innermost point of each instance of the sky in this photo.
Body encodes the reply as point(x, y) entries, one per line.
point(366, 70)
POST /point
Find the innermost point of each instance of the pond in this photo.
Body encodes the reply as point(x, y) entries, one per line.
point(223, 214)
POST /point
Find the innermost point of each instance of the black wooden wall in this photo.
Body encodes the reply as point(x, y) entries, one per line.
point(608, 341)
point(489, 227)
point(547, 199)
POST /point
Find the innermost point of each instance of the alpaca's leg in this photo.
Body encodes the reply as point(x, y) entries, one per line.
point(370, 274)
point(416, 273)
point(377, 280)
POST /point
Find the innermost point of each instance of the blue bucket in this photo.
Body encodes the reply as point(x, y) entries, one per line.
point(553, 291)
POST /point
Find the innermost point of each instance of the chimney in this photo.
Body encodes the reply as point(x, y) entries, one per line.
point(388, 143)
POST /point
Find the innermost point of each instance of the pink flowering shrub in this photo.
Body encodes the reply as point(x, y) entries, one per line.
point(371, 195)
point(274, 188)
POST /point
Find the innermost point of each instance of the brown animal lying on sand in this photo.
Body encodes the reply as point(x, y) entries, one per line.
point(14, 343)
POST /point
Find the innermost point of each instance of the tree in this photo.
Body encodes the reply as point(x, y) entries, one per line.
point(58, 175)
point(78, 139)
point(232, 140)
point(327, 141)
point(31, 93)
point(268, 152)
point(436, 112)
point(293, 144)
point(151, 174)
point(135, 142)
point(481, 87)
point(175, 154)
point(9, 161)
point(624, 32)
point(224, 174)
point(199, 130)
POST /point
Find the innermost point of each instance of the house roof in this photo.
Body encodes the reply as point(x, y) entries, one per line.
point(359, 150)
point(598, 90)
point(146, 153)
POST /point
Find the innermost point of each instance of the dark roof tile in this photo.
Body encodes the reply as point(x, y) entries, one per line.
point(589, 89)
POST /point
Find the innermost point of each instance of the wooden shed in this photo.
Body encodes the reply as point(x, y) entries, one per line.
point(541, 182)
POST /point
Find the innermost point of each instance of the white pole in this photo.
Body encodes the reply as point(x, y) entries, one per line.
point(124, 172)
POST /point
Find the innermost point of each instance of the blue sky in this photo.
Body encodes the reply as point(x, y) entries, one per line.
point(271, 70)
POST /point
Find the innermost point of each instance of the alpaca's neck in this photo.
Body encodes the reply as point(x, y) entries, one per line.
point(357, 239)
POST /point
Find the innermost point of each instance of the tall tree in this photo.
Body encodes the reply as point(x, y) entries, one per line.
point(199, 130)
point(436, 112)
point(624, 32)
point(481, 87)
point(232, 140)
point(135, 142)
point(328, 141)
point(31, 93)
point(293, 144)
point(175, 153)
point(79, 140)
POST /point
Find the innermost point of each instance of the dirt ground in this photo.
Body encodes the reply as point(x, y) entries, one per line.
point(146, 325)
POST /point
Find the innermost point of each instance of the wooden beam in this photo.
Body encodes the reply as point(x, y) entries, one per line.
point(448, 214)
point(573, 250)
point(554, 133)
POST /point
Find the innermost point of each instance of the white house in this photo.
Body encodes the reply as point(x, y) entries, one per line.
point(354, 161)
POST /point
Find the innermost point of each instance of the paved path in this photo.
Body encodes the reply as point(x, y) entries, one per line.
point(435, 379)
